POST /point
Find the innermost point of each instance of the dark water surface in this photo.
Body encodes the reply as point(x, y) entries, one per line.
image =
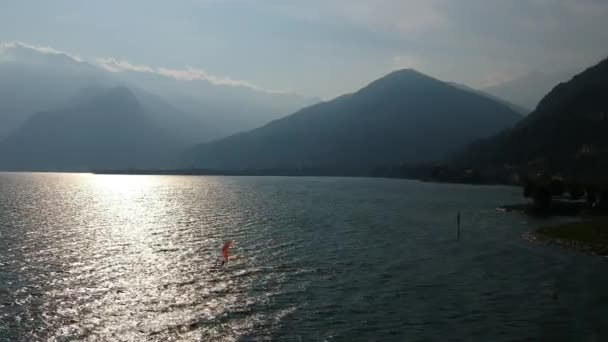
point(86, 257)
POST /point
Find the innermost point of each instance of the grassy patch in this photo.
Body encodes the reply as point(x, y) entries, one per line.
point(592, 232)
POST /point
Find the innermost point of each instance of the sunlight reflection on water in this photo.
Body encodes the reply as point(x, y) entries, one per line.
point(130, 258)
point(135, 261)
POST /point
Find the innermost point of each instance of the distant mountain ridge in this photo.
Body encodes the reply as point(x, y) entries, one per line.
point(527, 91)
point(29, 88)
point(517, 108)
point(567, 133)
point(34, 81)
point(221, 109)
point(405, 116)
point(108, 130)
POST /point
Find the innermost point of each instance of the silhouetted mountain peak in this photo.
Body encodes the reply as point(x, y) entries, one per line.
point(110, 129)
point(404, 77)
point(397, 83)
point(404, 116)
point(407, 72)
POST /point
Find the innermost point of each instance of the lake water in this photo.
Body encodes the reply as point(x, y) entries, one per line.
point(85, 257)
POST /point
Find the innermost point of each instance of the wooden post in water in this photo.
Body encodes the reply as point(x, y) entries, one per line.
point(458, 221)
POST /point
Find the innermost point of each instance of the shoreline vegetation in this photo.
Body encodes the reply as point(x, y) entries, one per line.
point(584, 198)
point(588, 236)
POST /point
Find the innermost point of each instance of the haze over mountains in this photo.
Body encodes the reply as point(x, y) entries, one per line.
point(526, 91)
point(221, 109)
point(566, 134)
point(513, 106)
point(60, 113)
point(33, 80)
point(108, 128)
point(403, 117)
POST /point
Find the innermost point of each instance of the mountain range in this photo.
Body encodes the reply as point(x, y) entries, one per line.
point(105, 129)
point(62, 114)
point(32, 81)
point(405, 116)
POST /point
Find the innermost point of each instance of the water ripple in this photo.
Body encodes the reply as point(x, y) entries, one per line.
point(130, 258)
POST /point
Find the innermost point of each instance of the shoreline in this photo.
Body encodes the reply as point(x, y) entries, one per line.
point(538, 238)
point(258, 173)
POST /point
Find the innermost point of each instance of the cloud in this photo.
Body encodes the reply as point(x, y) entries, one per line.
point(189, 74)
point(192, 74)
point(114, 65)
point(16, 50)
point(8, 47)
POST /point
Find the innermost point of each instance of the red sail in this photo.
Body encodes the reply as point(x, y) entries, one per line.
point(225, 249)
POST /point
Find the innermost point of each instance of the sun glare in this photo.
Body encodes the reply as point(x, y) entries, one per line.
point(125, 185)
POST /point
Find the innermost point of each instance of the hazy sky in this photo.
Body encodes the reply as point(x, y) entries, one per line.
point(320, 47)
